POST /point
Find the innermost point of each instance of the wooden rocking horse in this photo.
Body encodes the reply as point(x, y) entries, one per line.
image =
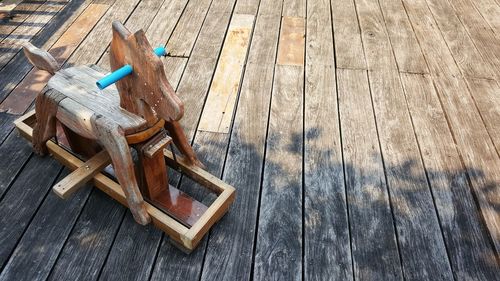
point(76, 121)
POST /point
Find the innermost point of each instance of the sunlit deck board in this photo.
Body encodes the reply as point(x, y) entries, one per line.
point(350, 85)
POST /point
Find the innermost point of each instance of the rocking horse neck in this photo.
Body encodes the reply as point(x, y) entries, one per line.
point(138, 107)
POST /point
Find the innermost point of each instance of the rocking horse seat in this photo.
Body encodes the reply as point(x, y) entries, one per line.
point(76, 90)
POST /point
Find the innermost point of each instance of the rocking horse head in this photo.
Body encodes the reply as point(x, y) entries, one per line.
point(146, 91)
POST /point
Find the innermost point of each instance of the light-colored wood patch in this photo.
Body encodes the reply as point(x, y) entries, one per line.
point(9, 5)
point(291, 44)
point(22, 96)
point(218, 110)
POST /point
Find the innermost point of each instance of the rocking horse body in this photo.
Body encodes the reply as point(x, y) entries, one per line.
point(143, 104)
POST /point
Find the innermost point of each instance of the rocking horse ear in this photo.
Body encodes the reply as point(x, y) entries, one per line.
point(120, 29)
point(41, 59)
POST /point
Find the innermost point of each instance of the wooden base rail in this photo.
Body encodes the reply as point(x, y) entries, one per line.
point(186, 237)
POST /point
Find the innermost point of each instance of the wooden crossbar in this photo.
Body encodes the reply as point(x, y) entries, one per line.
point(82, 175)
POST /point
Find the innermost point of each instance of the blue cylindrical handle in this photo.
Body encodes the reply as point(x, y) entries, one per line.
point(160, 51)
point(114, 76)
point(123, 71)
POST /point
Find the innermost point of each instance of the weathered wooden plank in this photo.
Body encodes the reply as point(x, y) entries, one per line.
point(327, 252)
point(469, 248)
point(374, 247)
point(14, 154)
point(349, 51)
point(25, 92)
point(291, 44)
point(221, 100)
point(433, 45)
point(96, 42)
point(476, 148)
point(480, 32)
point(458, 41)
point(134, 247)
point(165, 21)
point(406, 49)
point(294, 8)
point(417, 224)
point(232, 239)
point(174, 68)
point(201, 65)
point(88, 244)
point(18, 15)
point(471, 137)
point(21, 201)
point(6, 125)
point(319, 46)
point(486, 97)
point(266, 31)
point(187, 29)
point(18, 67)
point(249, 7)
point(24, 33)
point(490, 10)
point(42, 241)
point(280, 221)
point(8, 5)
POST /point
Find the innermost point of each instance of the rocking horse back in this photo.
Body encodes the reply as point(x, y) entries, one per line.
point(146, 92)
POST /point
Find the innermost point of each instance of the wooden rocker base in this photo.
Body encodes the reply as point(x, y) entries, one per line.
point(186, 231)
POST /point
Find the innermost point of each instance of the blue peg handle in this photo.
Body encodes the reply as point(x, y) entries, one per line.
point(123, 71)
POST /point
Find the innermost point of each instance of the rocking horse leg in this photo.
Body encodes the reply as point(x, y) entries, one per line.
point(114, 141)
point(45, 128)
point(177, 134)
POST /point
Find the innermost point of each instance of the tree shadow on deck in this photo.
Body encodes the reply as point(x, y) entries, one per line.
point(428, 214)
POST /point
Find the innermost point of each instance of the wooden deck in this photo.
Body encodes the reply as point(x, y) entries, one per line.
point(362, 136)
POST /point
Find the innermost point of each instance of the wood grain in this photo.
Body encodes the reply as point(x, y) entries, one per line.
point(280, 221)
point(24, 93)
point(220, 104)
point(349, 51)
point(79, 177)
point(407, 51)
point(18, 67)
point(22, 200)
point(187, 29)
point(470, 252)
point(490, 10)
point(474, 144)
point(417, 224)
point(485, 95)
point(45, 237)
point(17, 15)
point(326, 247)
point(480, 32)
point(229, 253)
point(462, 48)
point(375, 252)
point(24, 33)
